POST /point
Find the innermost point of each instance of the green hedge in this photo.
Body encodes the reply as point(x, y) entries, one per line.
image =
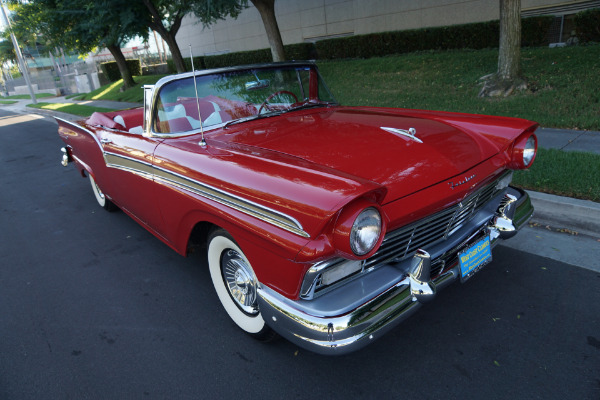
point(300, 51)
point(238, 58)
point(111, 70)
point(481, 35)
point(198, 64)
point(534, 31)
point(588, 25)
point(468, 36)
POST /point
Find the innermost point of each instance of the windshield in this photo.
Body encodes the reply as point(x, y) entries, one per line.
point(236, 96)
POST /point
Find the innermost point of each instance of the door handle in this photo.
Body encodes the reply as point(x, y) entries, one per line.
point(105, 141)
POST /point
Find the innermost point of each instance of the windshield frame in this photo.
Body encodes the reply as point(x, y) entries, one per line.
point(254, 67)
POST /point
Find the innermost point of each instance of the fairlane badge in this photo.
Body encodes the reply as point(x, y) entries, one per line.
point(462, 182)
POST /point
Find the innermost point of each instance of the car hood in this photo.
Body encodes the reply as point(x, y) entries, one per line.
point(352, 141)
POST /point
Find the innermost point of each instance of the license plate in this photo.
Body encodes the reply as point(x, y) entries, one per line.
point(474, 257)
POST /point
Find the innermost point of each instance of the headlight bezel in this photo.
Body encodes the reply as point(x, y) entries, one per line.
point(367, 220)
point(524, 151)
point(346, 228)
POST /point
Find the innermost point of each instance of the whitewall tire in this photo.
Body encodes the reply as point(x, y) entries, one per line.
point(236, 284)
point(100, 197)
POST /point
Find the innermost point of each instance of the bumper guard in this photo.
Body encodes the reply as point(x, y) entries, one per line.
point(341, 334)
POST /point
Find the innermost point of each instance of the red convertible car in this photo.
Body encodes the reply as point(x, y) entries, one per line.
point(325, 224)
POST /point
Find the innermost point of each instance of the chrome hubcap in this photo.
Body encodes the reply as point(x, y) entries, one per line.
point(240, 281)
point(100, 194)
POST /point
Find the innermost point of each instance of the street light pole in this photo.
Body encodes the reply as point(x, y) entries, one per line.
point(20, 60)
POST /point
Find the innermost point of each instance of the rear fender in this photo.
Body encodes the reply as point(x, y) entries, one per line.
point(85, 150)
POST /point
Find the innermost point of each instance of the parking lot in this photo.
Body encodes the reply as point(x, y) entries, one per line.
point(94, 306)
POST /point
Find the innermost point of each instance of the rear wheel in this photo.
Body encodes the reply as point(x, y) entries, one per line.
point(236, 285)
point(100, 197)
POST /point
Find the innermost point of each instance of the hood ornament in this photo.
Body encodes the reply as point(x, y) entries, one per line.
point(410, 133)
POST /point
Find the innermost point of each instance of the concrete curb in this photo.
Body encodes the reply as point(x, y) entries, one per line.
point(52, 114)
point(21, 108)
point(581, 216)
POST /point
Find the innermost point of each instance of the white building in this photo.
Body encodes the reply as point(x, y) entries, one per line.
point(312, 20)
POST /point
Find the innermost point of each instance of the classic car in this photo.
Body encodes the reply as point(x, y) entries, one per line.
point(325, 224)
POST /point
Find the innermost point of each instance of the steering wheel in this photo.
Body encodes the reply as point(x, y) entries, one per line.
point(265, 103)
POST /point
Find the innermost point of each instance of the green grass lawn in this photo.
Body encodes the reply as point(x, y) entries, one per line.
point(564, 84)
point(564, 93)
point(566, 173)
point(7, 102)
point(26, 96)
point(113, 92)
point(70, 108)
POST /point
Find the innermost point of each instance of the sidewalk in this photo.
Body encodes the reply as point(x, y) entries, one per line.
point(21, 106)
point(117, 105)
point(569, 140)
point(561, 213)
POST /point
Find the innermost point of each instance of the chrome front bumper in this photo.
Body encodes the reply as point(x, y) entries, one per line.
point(324, 326)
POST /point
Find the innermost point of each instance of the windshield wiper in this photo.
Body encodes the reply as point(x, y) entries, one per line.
point(274, 113)
point(309, 105)
point(250, 118)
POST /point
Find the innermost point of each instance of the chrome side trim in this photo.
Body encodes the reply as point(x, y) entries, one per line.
point(128, 164)
point(161, 175)
point(246, 206)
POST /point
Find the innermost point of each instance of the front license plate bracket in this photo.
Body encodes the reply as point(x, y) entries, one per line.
point(474, 257)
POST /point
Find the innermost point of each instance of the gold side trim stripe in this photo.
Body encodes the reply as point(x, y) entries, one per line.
point(163, 176)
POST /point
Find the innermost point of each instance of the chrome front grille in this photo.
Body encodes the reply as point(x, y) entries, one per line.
point(403, 242)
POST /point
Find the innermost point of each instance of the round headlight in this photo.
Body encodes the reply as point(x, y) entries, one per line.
point(365, 231)
point(529, 151)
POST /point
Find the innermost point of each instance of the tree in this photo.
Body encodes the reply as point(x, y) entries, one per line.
point(266, 8)
point(165, 18)
point(7, 52)
point(117, 23)
point(508, 77)
point(84, 25)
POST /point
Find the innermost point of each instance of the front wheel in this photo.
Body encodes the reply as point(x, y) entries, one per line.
point(100, 197)
point(236, 285)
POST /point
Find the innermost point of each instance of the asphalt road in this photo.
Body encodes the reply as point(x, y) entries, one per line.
point(93, 306)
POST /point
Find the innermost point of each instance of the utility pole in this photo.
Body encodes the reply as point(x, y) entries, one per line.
point(20, 60)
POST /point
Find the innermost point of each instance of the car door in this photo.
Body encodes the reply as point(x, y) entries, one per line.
point(129, 158)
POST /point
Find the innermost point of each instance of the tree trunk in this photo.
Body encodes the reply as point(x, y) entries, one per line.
point(116, 52)
point(508, 77)
point(509, 58)
point(168, 35)
point(266, 8)
point(175, 52)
